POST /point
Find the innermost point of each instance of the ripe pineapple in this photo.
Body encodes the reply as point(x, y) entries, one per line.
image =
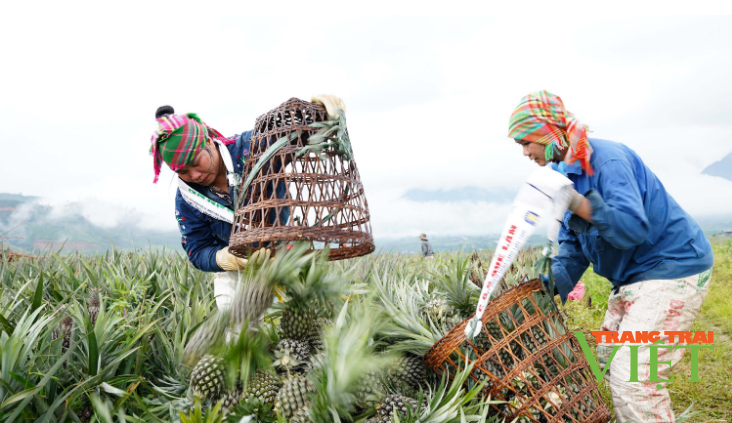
point(482, 341)
point(493, 368)
point(208, 379)
point(263, 386)
point(291, 356)
point(299, 349)
point(64, 329)
point(371, 392)
point(93, 306)
point(86, 413)
point(395, 403)
point(301, 416)
point(315, 333)
point(293, 396)
point(408, 371)
point(532, 414)
point(230, 399)
point(579, 406)
point(297, 321)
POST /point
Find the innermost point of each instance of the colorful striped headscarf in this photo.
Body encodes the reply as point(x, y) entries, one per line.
point(178, 139)
point(542, 118)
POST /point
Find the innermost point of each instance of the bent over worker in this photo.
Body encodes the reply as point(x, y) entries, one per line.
point(209, 167)
point(620, 218)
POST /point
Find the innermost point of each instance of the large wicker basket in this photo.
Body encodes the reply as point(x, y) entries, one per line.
point(300, 197)
point(532, 361)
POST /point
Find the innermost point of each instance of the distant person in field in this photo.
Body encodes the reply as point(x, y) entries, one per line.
point(620, 219)
point(208, 166)
point(426, 247)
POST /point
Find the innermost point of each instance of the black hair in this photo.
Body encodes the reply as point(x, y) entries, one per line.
point(163, 111)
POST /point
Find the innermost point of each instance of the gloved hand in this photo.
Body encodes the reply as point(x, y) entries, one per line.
point(333, 105)
point(565, 198)
point(260, 256)
point(228, 261)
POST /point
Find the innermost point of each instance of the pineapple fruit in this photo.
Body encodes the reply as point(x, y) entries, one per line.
point(293, 396)
point(297, 321)
point(93, 307)
point(263, 387)
point(64, 330)
point(408, 372)
point(315, 333)
point(398, 404)
point(208, 378)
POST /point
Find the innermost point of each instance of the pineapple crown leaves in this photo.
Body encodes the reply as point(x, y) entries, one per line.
point(348, 355)
point(207, 336)
point(452, 402)
point(317, 282)
point(332, 133)
point(197, 415)
point(460, 293)
point(104, 409)
point(406, 328)
point(245, 356)
point(262, 412)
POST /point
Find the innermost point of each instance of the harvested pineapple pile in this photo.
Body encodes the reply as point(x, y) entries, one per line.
point(332, 347)
point(137, 337)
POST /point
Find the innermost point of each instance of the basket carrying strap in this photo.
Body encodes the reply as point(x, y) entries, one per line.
point(206, 205)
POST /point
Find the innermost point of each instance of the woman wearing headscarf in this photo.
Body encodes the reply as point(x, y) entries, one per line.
point(209, 168)
point(619, 218)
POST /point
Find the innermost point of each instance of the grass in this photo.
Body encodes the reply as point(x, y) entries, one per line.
point(712, 396)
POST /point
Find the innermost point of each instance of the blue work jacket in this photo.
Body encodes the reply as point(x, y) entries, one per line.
point(202, 235)
point(639, 232)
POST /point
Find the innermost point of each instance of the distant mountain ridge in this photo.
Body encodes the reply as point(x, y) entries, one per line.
point(29, 225)
point(722, 168)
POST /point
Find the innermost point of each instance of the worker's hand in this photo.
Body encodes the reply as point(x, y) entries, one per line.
point(260, 256)
point(333, 105)
point(228, 261)
point(473, 328)
point(564, 199)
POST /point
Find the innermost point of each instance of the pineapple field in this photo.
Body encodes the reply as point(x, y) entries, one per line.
point(136, 336)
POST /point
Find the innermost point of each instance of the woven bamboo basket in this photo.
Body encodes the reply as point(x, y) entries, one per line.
point(530, 359)
point(299, 195)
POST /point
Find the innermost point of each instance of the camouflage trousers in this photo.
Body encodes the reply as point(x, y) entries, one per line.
point(653, 305)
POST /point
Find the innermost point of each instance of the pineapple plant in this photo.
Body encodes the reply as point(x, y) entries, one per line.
point(293, 396)
point(208, 378)
point(263, 387)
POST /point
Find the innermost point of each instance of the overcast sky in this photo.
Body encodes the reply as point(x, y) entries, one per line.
point(428, 99)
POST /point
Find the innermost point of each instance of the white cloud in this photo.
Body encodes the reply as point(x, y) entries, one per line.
point(428, 99)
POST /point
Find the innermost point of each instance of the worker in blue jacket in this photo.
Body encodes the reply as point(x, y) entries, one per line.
point(209, 168)
point(619, 217)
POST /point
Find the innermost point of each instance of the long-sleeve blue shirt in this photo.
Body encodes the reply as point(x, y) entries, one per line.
point(201, 235)
point(639, 232)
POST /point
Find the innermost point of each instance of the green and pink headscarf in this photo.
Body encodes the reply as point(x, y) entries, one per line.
point(178, 139)
point(542, 118)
